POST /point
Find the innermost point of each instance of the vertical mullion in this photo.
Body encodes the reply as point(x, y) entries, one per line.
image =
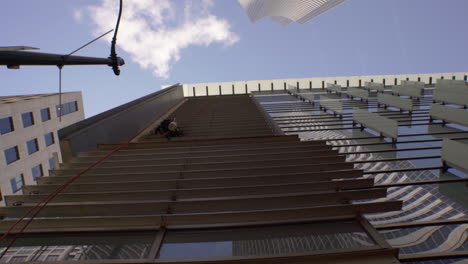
point(154, 252)
point(372, 233)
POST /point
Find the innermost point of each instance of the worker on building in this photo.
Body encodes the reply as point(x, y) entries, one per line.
point(174, 130)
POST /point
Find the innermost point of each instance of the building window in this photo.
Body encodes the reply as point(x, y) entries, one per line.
point(52, 163)
point(45, 114)
point(17, 183)
point(11, 155)
point(49, 139)
point(67, 108)
point(37, 171)
point(32, 146)
point(28, 119)
point(6, 125)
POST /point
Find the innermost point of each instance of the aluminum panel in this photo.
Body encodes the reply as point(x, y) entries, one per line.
point(331, 104)
point(356, 92)
point(395, 101)
point(455, 153)
point(415, 90)
point(451, 92)
point(383, 125)
point(374, 86)
point(450, 114)
point(333, 88)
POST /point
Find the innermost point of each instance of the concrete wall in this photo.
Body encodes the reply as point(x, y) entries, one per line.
point(14, 107)
point(242, 87)
point(120, 124)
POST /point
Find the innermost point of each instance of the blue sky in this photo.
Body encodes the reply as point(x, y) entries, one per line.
point(359, 37)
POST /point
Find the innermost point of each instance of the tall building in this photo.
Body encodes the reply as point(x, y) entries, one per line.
point(271, 171)
point(284, 12)
point(28, 136)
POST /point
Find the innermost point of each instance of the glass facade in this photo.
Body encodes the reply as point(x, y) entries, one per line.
point(6, 125)
point(11, 154)
point(415, 158)
point(32, 146)
point(28, 119)
point(264, 240)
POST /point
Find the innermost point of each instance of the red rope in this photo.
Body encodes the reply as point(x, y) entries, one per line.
point(49, 198)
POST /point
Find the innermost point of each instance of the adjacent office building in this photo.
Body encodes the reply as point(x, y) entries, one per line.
point(357, 169)
point(28, 136)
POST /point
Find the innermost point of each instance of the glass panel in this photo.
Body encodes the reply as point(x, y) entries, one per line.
point(32, 146)
point(28, 119)
point(66, 108)
point(52, 163)
point(6, 125)
point(11, 155)
point(17, 183)
point(266, 240)
point(424, 203)
point(79, 246)
point(73, 107)
point(49, 138)
point(461, 260)
point(45, 114)
point(37, 171)
point(58, 110)
point(428, 239)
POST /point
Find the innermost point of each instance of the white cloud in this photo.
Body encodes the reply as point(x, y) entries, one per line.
point(154, 32)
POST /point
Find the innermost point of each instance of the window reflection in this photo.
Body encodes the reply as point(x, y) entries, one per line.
point(265, 240)
point(78, 246)
point(428, 239)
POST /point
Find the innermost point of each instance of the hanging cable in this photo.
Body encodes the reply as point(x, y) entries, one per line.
point(60, 93)
point(113, 54)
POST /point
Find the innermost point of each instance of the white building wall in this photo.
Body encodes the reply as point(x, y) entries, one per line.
point(14, 107)
point(304, 83)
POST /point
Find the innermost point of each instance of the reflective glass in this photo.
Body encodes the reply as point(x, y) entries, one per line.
point(447, 260)
point(52, 163)
point(49, 139)
point(28, 119)
point(37, 171)
point(265, 240)
point(11, 155)
point(6, 125)
point(17, 183)
point(45, 114)
point(424, 203)
point(66, 108)
point(32, 146)
point(79, 246)
point(428, 239)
